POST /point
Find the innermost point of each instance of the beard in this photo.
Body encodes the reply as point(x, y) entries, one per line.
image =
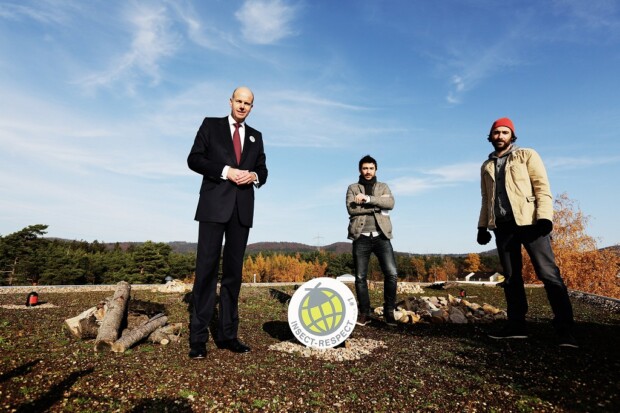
point(499, 145)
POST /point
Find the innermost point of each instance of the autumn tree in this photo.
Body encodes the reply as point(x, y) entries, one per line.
point(449, 268)
point(419, 268)
point(282, 268)
point(583, 266)
point(472, 263)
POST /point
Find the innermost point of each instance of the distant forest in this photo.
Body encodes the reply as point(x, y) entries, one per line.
point(27, 257)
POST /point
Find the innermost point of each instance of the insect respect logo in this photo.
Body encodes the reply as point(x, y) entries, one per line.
point(322, 313)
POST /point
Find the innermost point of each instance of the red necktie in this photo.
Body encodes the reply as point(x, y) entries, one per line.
point(237, 143)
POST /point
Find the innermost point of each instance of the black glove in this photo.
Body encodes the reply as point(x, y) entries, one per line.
point(484, 236)
point(544, 227)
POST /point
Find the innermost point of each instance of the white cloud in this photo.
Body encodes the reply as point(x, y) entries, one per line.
point(475, 66)
point(593, 14)
point(204, 33)
point(436, 178)
point(266, 21)
point(44, 11)
point(583, 162)
point(303, 118)
point(410, 186)
point(65, 140)
point(308, 98)
point(152, 40)
point(463, 172)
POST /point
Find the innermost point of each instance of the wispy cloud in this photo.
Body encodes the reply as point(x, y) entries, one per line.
point(205, 34)
point(474, 66)
point(411, 186)
point(297, 97)
point(436, 178)
point(565, 163)
point(64, 140)
point(579, 21)
point(593, 14)
point(44, 11)
point(153, 39)
point(462, 172)
point(326, 122)
point(266, 21)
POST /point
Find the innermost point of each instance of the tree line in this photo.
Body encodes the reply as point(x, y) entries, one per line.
point(26, 257)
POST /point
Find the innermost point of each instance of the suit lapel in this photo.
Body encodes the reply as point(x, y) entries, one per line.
point(227, 138)
point(247, 143)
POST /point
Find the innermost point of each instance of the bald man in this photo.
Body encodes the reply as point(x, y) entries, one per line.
point(229, 155)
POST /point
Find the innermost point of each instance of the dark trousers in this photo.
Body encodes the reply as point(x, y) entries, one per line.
point(382, 248)
point(509, 238)
point(210, 237)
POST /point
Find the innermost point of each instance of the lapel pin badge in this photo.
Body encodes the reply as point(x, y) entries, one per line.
point(252, 139)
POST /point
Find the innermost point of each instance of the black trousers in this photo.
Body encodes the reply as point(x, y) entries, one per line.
point(382, 248)
point(210, 237)
point(509, 238)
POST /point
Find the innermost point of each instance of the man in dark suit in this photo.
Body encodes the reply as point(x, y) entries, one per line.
point(230, 156)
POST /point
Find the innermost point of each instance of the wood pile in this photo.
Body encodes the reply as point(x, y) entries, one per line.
point(117, 323)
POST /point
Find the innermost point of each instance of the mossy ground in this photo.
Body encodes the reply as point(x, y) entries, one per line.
point(447, 368)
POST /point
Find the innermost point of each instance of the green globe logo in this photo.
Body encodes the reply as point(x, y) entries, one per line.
point(322, 311)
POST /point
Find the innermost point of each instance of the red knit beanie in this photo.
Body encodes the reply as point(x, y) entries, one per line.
point(503, 122)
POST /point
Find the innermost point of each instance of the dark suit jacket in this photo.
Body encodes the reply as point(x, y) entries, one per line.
point(212, 150)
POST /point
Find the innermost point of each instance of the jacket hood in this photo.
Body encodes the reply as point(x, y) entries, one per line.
point(513, 148)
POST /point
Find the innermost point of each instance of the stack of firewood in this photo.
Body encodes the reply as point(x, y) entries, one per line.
point(115, 325)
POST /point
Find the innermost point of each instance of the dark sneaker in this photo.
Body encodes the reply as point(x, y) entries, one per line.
point(362, 320)
point(566, 339)
point(510, 331)
point(389, 318)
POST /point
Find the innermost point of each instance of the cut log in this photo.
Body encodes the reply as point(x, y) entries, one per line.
point(165, 334)
point(86, 325)
point(83, 325)
point(159, 337)
point(132, 337)
point(117, 308)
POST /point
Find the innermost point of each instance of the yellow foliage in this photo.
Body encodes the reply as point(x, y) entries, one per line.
point(582, 265)
point(281, 268)
point(472, 263)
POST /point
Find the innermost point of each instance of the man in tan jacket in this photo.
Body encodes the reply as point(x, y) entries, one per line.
point(369, 203)
point(517, 206)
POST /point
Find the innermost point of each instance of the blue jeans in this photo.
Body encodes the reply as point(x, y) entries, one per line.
point(509, 238)
point(382, 248)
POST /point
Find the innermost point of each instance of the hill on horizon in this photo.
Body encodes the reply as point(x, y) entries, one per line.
point(285, 247)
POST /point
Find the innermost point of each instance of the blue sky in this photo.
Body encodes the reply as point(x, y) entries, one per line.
point(101, 100)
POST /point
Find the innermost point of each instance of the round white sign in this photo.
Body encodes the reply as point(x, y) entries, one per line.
point(322, 313)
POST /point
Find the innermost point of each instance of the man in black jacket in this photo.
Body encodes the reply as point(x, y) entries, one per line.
point(230, 156)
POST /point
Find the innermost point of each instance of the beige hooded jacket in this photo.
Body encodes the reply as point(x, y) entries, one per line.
point(527, 187)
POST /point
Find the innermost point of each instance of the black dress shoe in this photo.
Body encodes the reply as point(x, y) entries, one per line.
point(197, 351)
point(233, 345)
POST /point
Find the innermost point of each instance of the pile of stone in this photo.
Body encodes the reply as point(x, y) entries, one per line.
point(173, 286)
point(439, 310)
point(401, 287)
point(352, 349)
point(608, 303)
point(409, 288)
